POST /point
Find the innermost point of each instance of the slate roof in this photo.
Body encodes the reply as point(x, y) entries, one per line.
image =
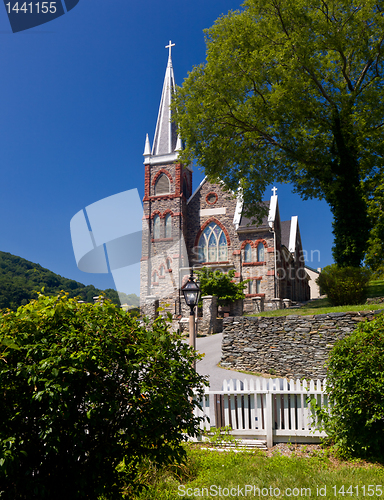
point(246, 223)
point(285, 232)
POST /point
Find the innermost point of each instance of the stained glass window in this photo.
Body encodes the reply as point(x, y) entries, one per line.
point(248, 253)
point(213, 246)
point(156, 227)
point(260, 252)
point(168, 226)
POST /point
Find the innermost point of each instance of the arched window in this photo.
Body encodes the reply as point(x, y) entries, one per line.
point(162, 185)
point(154, 278)
point(168, 263)
point(156, 227)
point(248, 253)
point(213, 245)
point(168, 226)
point(162, 271)
point(260, 252)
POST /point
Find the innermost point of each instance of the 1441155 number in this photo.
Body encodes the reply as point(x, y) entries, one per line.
point(30, 8)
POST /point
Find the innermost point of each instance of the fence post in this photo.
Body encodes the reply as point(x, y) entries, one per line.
point(269, 419)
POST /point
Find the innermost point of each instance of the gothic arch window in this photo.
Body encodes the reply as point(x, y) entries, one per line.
point(162, 185)
point(260, 252)
point(162, 271)
point(248, 253)
point(168, 226)
point(213, 246)
point(156, 227)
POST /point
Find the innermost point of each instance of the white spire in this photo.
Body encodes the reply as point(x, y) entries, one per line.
point(179, 144)
point(165, 134)
point(147, 148)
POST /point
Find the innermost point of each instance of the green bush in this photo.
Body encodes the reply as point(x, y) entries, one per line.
point(223, 286)
point(85, 389)
point(344, 285)
point(355, 381)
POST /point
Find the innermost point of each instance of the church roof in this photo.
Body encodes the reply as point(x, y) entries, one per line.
point(166, 132)
point(247, 224)
point(285, 232)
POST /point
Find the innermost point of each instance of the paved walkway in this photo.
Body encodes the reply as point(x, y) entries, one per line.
point(211, 347)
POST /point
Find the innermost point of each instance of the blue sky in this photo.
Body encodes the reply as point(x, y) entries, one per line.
point(78, 95)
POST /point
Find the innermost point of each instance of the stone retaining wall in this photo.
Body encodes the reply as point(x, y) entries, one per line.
point(291, 346)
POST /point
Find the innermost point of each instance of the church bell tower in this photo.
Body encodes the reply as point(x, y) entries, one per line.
point(168, 185)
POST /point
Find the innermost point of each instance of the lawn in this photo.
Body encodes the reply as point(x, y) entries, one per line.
point(211, 474)
point(322, 306)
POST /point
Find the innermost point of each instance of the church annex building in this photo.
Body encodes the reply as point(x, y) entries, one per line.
point(206, 227)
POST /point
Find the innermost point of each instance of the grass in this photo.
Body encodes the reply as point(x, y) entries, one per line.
point(322, 306)
point(209, 473)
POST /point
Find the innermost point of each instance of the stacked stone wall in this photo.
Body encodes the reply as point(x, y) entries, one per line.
point(292, 346)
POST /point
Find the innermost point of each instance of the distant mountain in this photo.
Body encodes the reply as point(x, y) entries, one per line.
point(20, 279)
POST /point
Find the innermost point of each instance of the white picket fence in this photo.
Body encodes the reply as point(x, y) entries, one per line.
point(274, 410)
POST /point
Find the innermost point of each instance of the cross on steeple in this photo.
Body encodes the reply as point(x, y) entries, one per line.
point(170, 48)
point(274, 189)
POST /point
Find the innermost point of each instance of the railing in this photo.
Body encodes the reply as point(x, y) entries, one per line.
point(277, 410)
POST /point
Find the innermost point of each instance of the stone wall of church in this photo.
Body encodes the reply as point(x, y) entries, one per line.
point(211, 197)
point(292, 346)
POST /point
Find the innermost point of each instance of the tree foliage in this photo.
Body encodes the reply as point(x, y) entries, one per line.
point(344, 285)
point(374, 256)
point(355, 381)
point(20, 279)
point(293, 91)
point(84, 388)
point(215, 282)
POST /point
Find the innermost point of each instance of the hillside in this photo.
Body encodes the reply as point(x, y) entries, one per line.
point(20, 279)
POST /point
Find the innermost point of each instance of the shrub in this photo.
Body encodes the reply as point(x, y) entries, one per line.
point(344, 285)
point(85, 388)
point(355, 383)
point(215, 282)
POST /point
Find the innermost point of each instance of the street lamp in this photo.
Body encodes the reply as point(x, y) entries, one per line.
point(191, 292)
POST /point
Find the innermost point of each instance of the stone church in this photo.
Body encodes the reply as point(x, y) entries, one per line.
point(183, 227)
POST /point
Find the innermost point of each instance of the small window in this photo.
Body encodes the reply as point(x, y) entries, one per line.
point(156, 227)
point(168, 226)
point(248, 253)
point(250, 286)
point(258, 286)
point(260, 252)
point(162, 185)
point(162, 271)
point(154, 279)
point(168, 263)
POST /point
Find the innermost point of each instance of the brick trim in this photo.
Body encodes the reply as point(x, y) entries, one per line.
point(245, 242)
point(210, 194)
point(160, 172)
point(250, 295)
point(256, 243)
point(244, 264)
point(206, 223)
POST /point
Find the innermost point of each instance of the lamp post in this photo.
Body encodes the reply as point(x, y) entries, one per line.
point(191, 292)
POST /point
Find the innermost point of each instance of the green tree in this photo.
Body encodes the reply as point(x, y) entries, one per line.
point(83, 388)
point(355, 381)
point(215, 282)
point(374, 257)
point(293, 91)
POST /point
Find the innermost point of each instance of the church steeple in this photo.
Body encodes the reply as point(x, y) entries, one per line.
point(166, 141)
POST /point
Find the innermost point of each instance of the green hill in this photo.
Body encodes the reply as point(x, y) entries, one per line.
point(20, 279)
